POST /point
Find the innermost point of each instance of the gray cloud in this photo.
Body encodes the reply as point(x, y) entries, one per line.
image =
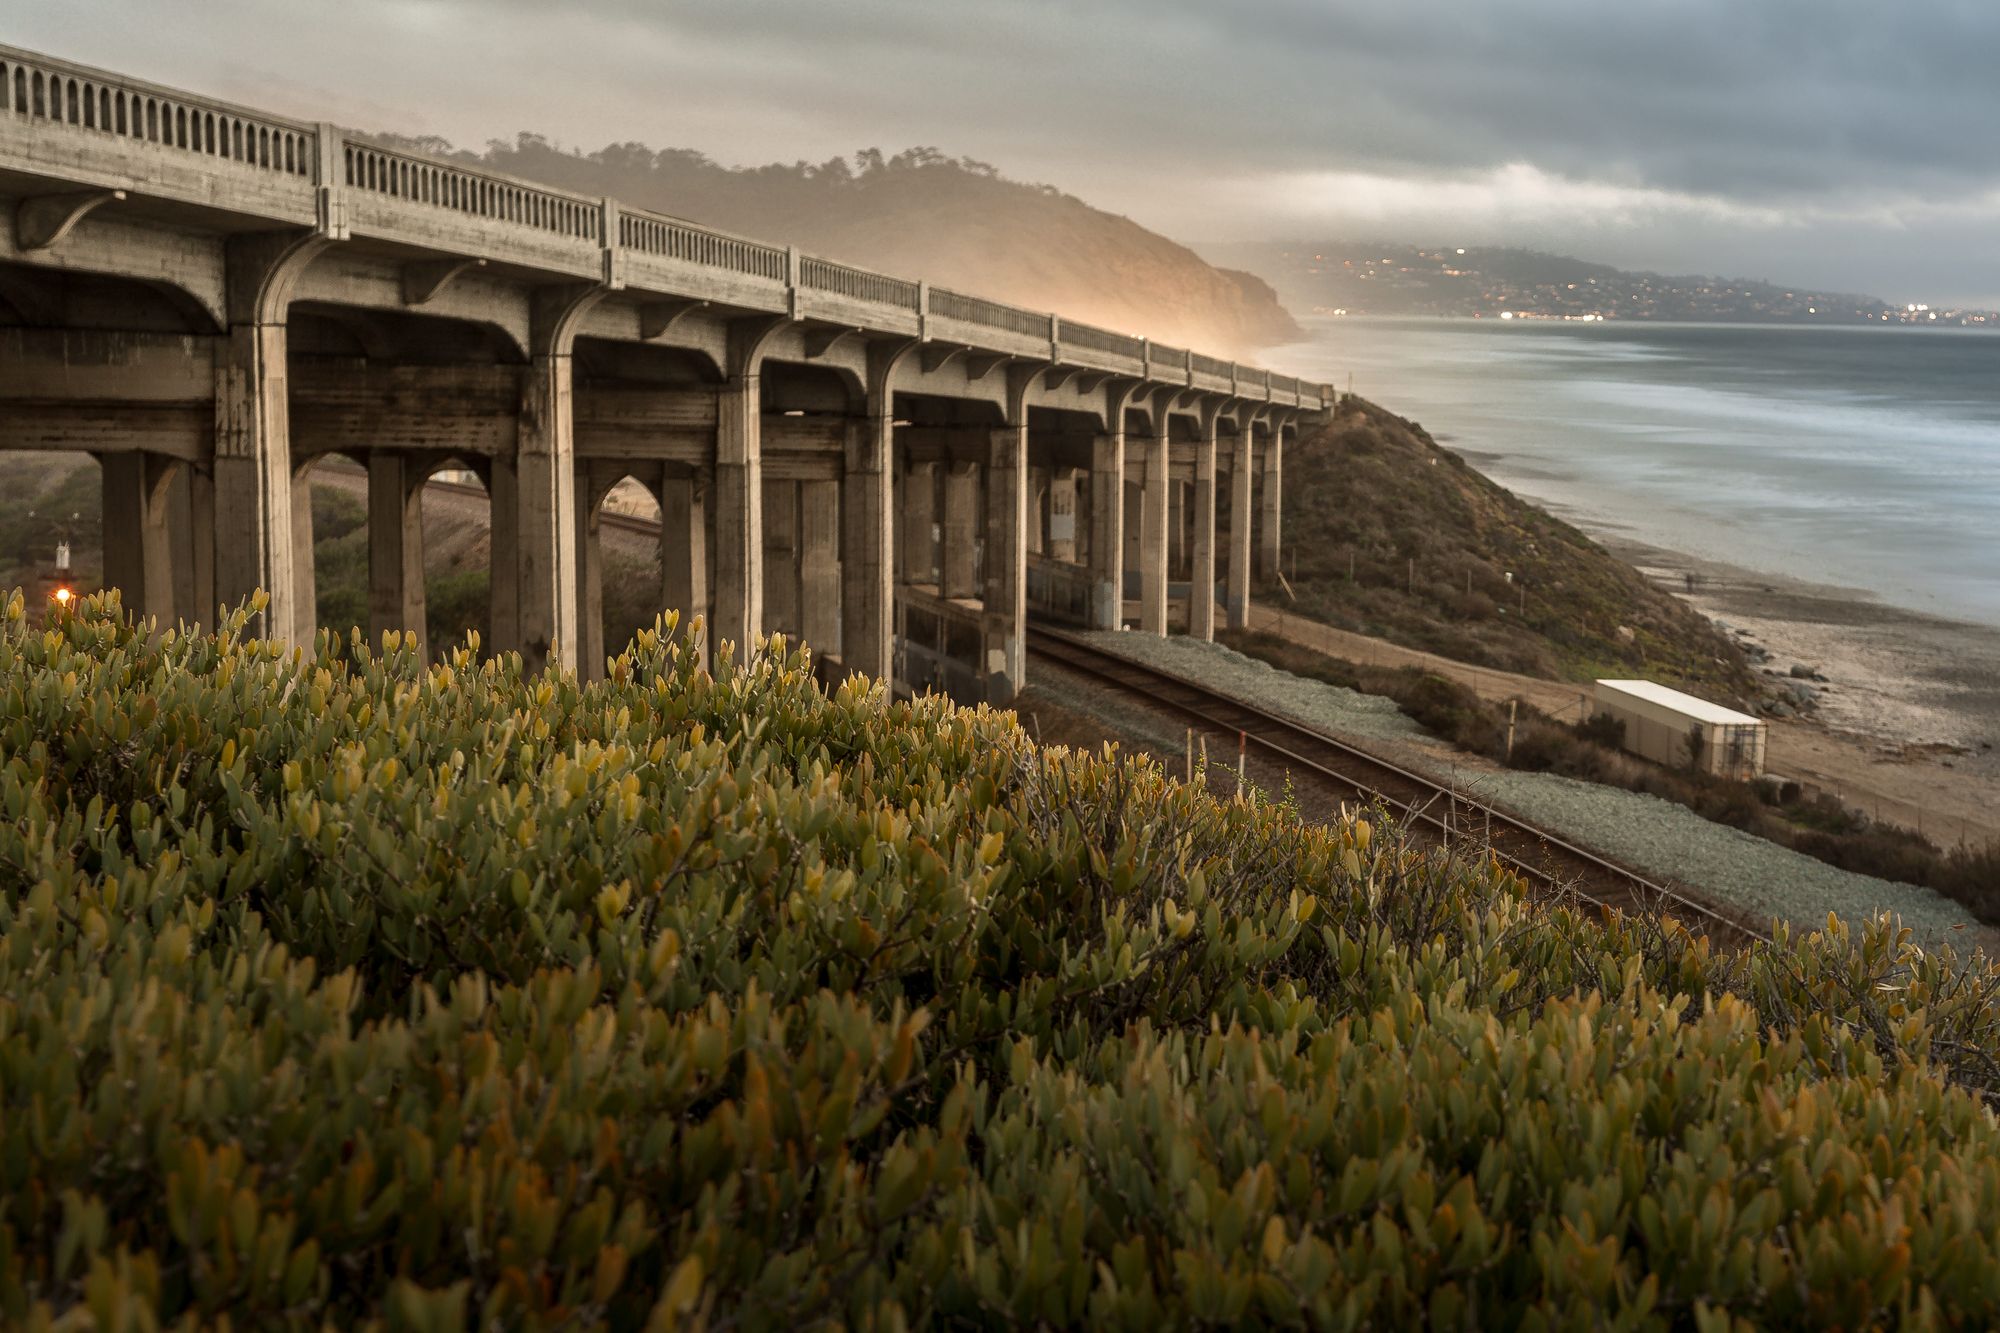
point(1847, 137)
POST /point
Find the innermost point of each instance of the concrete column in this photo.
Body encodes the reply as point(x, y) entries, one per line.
point(395, 546)
point(591, 648)
point(1270, 505)
point(1037, 512)
point(1153, 534)
point(190, 525)
point(1107, 530)
point(820, 568)
point(684, 551)
point(545, 540)
point(138, 541)
point(503, 613)
point(919, 519)
point(1201, 565)
point(253, 478)
point(1062, 517)
point(781, 559)
point(957, 573)
point(1239, 530)
point(1176, 527)
point(867, 537)
point(738, 497)
point(1005, 617)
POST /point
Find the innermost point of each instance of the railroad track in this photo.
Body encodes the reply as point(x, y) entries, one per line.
point(1431, 809)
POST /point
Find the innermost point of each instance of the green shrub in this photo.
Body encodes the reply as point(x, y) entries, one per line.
point(340, 988)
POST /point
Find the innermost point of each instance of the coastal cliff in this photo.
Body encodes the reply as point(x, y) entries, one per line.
point(1391, 534)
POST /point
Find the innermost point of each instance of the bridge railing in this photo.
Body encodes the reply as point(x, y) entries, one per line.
point(824, 275)
point(480, 194)
point(672, 238)
point(1102, 340)
point(37, 88)
point(992, 314)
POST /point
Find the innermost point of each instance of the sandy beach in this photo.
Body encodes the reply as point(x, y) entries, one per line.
point(1908, 712)
point(1906, 721)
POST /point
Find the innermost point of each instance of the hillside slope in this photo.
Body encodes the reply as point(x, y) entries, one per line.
point(951, 221)
point(1388, 533)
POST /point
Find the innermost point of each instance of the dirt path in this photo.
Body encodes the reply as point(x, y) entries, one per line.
point(1918, 788)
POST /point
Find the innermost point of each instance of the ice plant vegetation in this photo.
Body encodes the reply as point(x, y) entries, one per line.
point(339, 987)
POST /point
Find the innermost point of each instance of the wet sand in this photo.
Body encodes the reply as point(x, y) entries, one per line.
point(1906, 722)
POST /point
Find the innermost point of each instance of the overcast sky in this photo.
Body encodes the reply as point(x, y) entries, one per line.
point(1851, 144)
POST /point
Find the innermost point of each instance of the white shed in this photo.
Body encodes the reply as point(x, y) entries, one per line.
point(1681, 731)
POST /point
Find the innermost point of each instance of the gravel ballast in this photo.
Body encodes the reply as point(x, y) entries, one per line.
point(1645, 832)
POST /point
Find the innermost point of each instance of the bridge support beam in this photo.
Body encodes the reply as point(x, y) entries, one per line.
point(739, 516)
point(139, 547)
point(820, 568)
point(1201, 567)
point(1061, 543)
point(1005, 615)
point(253, 479)
point(781, 559)
point(918, 524)
point(1107, 529)
point(543, 511)
point(867, 534)
point(1239, 529)
point(957, 572)
point(1270, 504)
point(1153, 532)
point(395, 546)
point(684, 553)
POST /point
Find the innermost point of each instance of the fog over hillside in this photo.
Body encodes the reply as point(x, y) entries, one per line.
point(921, 214)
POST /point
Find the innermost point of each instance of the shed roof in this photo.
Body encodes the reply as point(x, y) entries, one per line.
point(1701, 710)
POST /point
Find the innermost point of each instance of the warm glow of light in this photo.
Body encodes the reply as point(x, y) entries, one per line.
point(63, 595)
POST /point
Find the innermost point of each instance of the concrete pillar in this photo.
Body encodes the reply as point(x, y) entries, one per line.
point(1005, 615)
point(190, 529)
point(253, 479)
point(1153, 533)
point(305, 558)
point(1270, 504)
point(867, 537)
point(738, 516)
point(781, 559)
point(138, 541)
point(395, 546)
point(545, 540)
point(1201, 565)
point(1239, 530)
point(591, 647)
point(919, 520)
point(684, 551)
point(820, 583)
point(1037, 512)
point(1107, 530)
point(503, 607)
point(1062, 517)
point(1177, 527)
point(956, 554)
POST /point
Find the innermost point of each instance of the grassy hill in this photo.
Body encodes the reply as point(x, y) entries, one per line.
point(920, 214)
point(1388, 533)
point(343, 989)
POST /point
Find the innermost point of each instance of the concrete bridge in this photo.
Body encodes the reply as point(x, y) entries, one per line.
point(210, 300)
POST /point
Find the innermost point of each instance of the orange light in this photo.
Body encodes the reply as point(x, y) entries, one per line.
point(63, 595)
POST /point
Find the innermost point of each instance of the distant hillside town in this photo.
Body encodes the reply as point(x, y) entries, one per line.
point(1348, 278)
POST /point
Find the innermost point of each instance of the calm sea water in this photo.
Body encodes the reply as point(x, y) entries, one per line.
point(1864, 457)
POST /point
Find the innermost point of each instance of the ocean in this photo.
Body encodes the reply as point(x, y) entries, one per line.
point(1858, 457)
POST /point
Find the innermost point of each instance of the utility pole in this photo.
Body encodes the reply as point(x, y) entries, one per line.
point(1512, 705)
